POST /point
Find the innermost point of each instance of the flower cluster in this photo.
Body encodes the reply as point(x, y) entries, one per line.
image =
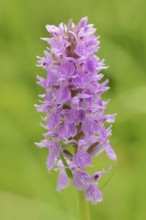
point(74, 110)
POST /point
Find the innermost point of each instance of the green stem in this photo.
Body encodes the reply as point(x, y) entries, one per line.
point(83, 207)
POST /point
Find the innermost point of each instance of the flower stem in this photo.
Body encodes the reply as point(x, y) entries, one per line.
point(83, 207)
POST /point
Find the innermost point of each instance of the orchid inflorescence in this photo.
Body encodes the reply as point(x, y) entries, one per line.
point(74, 110)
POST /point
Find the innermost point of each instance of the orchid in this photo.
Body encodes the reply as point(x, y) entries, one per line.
point(73, 107)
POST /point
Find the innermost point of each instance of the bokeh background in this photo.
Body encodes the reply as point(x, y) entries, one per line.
point(27, 191)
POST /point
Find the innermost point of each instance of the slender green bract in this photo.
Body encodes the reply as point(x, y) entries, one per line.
point(83, 207)
point(68, 172)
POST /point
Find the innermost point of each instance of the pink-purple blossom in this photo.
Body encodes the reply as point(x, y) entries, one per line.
point(72, 103)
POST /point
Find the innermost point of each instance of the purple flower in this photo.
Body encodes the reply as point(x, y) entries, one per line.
point(63, 181)
point(82, 158)
point(74, 110)
point(81, 179)
point(54, 152)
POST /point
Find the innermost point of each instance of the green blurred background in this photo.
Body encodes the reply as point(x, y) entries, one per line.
point(27, 191)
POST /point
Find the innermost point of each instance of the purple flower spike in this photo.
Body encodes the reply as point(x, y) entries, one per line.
point(75, 117)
